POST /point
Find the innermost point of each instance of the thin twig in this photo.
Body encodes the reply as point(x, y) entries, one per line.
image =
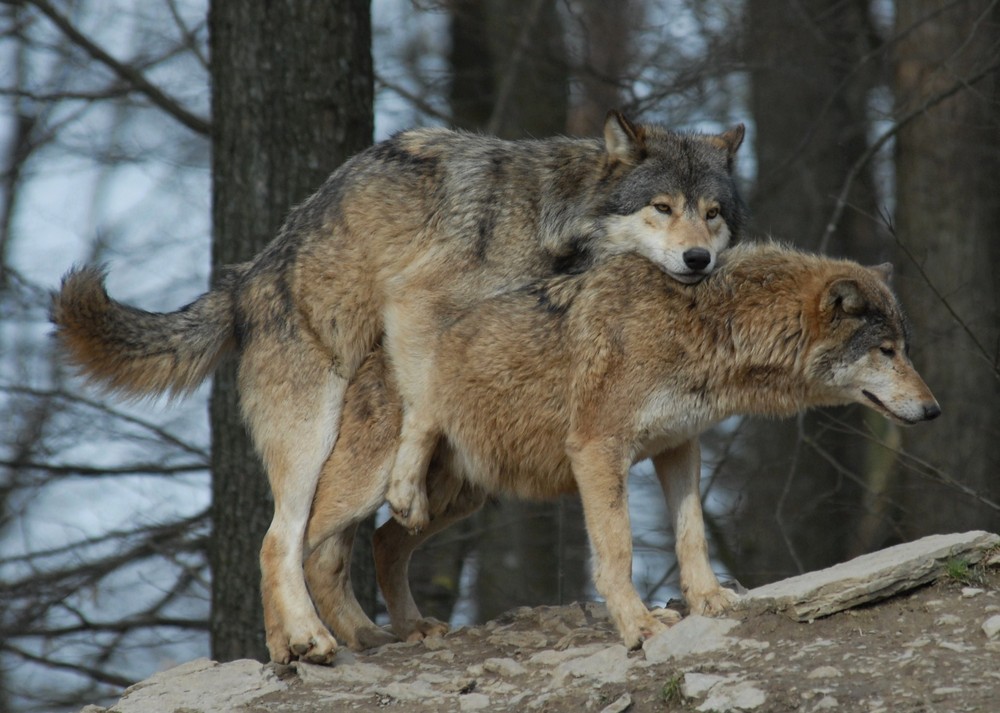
point(92, 673)
point(889, 133)
point(510, 75)
point(129, 74)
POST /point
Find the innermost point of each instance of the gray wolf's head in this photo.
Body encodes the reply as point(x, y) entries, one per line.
point(674, 200)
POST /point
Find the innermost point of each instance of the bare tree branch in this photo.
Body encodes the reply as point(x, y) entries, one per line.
point(86, 471)
point(500, 108)
point(990, 359)
point(191, 42)
point(885, 136)
point(125, 72)
point(96, 674)
point(104, 408)
point(119, 626)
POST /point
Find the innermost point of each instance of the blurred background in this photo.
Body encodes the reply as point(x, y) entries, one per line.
point(166, 137)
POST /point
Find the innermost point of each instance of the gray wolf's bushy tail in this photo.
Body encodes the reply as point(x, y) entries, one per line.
point(139, 353)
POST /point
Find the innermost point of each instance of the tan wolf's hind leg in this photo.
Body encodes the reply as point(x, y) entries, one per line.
point(351, 488)
point(450, 501)
point(328, 572)
point(679, 473)
point(292, 401)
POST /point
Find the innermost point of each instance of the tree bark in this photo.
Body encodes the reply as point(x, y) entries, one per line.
point(292, 95)
point(948, 210)
point(607, 49)
point(808, 99)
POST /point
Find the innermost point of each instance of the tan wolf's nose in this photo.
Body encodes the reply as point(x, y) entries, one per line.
point(931, 411)
point(697, 258)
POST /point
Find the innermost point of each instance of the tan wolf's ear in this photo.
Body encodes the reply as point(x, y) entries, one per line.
point(729, 140)
point(844, 296)
point(624, 140)
point(882, 272)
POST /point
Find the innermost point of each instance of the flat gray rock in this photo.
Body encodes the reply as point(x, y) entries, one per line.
point(693, 635)
point(871, 577)
point(200, 686)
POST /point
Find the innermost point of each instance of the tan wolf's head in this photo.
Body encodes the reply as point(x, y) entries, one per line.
point(677, 205)
point(861, 347)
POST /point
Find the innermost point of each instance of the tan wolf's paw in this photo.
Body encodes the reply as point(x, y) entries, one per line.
point(667, 616)
point(318, 647)
point(420, 629)
point(648, 627)
point(715, 603)
point(409, 507)
point(372, 637)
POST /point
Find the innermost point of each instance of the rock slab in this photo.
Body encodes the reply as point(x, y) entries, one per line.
point(871, 577)
point(200, 686)
point(694, 635)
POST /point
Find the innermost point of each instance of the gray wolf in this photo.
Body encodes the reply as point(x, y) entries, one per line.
point(561, 385)
point(395, 243)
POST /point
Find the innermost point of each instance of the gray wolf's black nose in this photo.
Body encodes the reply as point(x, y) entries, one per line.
point(931, 412)
point(697, 258)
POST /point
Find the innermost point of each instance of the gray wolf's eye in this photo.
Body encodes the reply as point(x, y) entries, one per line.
point(663, 208)
point(888, 351)
point(712, 213)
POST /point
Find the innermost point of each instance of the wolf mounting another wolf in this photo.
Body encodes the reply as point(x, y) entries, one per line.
point(401, 239)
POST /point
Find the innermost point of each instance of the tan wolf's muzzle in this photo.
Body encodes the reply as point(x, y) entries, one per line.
point(906, 400)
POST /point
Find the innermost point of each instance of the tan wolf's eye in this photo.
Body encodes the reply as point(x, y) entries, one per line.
point(712, 214)
point(663, 208)
point(888, 351)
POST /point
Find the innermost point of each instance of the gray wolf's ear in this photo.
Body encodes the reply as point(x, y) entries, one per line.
point(882, 272)
point(729, 141)
point(624, 140)
point(844, 296)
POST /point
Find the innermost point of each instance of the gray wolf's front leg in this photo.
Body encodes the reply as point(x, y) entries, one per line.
point(407, 494)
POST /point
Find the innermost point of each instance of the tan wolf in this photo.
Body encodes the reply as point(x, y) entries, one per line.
point(396, 241)
point(561, 385)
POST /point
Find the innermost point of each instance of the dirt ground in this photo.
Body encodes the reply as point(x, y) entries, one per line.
point(924, 651)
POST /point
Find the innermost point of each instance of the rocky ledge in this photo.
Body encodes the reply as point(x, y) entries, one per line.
point(914, 627)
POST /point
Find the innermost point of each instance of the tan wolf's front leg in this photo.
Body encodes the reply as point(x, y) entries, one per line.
point(601, 473)
point(407, 495)
point(679, 473)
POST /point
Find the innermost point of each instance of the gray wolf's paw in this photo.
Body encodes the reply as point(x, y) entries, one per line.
point(409, 506)
point(317, 646)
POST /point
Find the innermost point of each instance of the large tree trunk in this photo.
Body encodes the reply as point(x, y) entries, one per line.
point(808, 102)
point(292, 96)
point(607, 51)
point(947, 218)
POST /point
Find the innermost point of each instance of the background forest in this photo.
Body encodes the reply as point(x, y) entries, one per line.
point(165, 137)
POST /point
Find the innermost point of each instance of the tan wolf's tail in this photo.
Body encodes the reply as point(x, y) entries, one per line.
point(139, 353)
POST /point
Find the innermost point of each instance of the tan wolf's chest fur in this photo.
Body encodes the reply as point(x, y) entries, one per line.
point(651, 366)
